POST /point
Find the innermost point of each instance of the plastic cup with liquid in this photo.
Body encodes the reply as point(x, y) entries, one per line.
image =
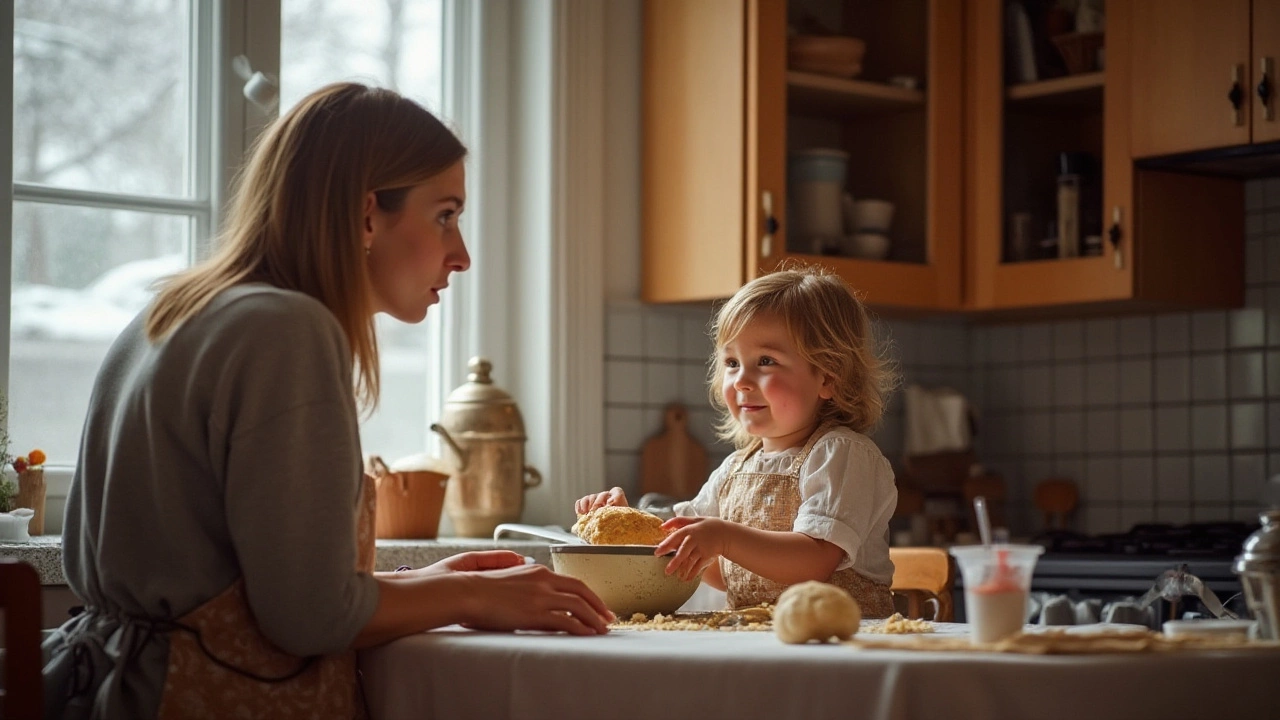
point(997, 580)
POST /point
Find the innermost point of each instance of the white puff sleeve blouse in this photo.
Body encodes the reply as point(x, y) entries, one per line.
point(847, 496)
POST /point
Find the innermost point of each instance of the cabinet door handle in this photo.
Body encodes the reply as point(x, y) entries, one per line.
point(1114, 234)
point(1266, 88)
point(770, 224)
point(1236, 95)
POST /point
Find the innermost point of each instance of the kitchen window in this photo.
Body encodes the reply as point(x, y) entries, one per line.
point(128, 123)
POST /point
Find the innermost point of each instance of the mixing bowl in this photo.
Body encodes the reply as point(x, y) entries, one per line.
point(628, 578)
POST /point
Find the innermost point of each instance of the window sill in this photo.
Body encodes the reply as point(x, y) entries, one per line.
point(44, 552)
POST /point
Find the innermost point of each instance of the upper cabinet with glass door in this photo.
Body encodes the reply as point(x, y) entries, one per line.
point(1056, 213)
point(824, 131)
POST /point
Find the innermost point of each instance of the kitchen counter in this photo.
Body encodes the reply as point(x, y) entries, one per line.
point(44, 552)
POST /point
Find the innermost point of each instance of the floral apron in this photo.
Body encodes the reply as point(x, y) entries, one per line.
point(209, 673)
point(771, 501)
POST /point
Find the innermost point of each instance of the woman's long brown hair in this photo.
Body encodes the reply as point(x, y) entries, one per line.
point(296, 217)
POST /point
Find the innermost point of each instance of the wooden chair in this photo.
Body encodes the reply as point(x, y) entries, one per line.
point(23, 694)
point(921, 574)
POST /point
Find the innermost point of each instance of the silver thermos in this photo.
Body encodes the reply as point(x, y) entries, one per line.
point(1259, 569)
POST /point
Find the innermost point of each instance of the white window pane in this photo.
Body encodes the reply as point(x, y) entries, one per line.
point(79, 276)
point(102, 95)
point(387, 43)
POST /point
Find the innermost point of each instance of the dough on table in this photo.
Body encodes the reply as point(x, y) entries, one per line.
point(815, 611)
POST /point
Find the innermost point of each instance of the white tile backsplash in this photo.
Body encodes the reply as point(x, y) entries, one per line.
point(1173, 378)
point(1037, 386)
point(1173, 479)
point(693, 386)
point(1209, 330)
point(1208, 377)
point(662, 383)
point(1136, 335)
point(625, 335)
point(1210, 479)
point(1101, 337)
point(1247, 327)
point(695, 343)
point(624, 381)
point(1173, 429)
point(1136, 430)
point(1248, 478)
point(1037, 342)
point(1173, 333)
point(662, 335)
point(624, 429)
point(1137, 480)
point(1136, 381)
point(1246, 377)
point(1102, 430)
point(1248, 426)
point(1068, 385)
point(1255, 262)
point(1102, 382)
point(1209, 427)
point(1068, 340)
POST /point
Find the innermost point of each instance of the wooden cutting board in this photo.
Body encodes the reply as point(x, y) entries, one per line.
point(672, 462)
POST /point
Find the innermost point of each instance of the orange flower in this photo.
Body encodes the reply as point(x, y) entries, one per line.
point(19, 464)
point(36, 457)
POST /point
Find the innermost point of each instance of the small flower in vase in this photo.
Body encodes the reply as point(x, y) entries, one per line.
point(31, 487)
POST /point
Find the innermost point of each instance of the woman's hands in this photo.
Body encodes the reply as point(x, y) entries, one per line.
point(531, 597)
point(698, 542)
point(475, 562)
point(613, 496)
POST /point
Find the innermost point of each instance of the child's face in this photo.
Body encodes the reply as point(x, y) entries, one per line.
point(772, 391)
point(413, 250)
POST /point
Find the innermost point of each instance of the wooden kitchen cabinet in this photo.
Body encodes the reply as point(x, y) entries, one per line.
point(1168, 240)
point(721, 113)
point(1196, 71)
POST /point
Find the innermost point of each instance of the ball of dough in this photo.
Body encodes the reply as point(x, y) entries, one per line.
point(815, 611)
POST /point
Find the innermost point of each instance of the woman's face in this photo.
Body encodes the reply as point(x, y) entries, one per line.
point(413, 250)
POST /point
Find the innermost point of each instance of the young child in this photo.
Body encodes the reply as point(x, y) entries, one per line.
point(807, 495)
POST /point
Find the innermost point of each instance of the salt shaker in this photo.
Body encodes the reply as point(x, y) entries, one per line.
point(1258, 566)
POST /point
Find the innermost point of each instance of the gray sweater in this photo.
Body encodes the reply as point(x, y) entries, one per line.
point(228, 449)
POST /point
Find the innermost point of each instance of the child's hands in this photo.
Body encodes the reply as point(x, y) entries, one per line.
point(698, 542)
point(587, 503)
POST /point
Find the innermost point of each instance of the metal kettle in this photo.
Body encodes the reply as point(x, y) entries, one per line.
point(483, 427)
point(1258, 566)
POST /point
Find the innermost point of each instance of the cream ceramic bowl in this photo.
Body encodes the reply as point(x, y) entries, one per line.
point(628, 578)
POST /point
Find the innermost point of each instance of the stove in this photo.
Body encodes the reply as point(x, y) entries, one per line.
point(1123, 566)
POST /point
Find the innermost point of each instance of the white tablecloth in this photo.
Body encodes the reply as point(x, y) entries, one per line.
point(661, 675)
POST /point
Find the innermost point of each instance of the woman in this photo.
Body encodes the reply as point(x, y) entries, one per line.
point(218, 527)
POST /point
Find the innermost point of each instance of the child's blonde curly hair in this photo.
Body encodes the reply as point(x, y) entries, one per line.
point(831, 329)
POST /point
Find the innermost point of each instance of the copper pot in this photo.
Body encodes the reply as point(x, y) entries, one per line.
point(483, 427)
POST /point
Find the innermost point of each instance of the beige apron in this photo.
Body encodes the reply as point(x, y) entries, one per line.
point(771, 501)
point(198, 684)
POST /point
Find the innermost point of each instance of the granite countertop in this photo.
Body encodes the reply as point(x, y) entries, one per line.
point(44, 552)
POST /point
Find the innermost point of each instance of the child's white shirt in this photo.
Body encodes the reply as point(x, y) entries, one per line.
point(847, 496)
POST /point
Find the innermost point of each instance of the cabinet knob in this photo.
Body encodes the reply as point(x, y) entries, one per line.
point(771, 224)
point(1266, 88)
point(1236, 95)
point(1114, 234)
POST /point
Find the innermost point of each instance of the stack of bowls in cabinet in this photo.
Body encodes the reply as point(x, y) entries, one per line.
point(816, 183)
point(871, 222)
